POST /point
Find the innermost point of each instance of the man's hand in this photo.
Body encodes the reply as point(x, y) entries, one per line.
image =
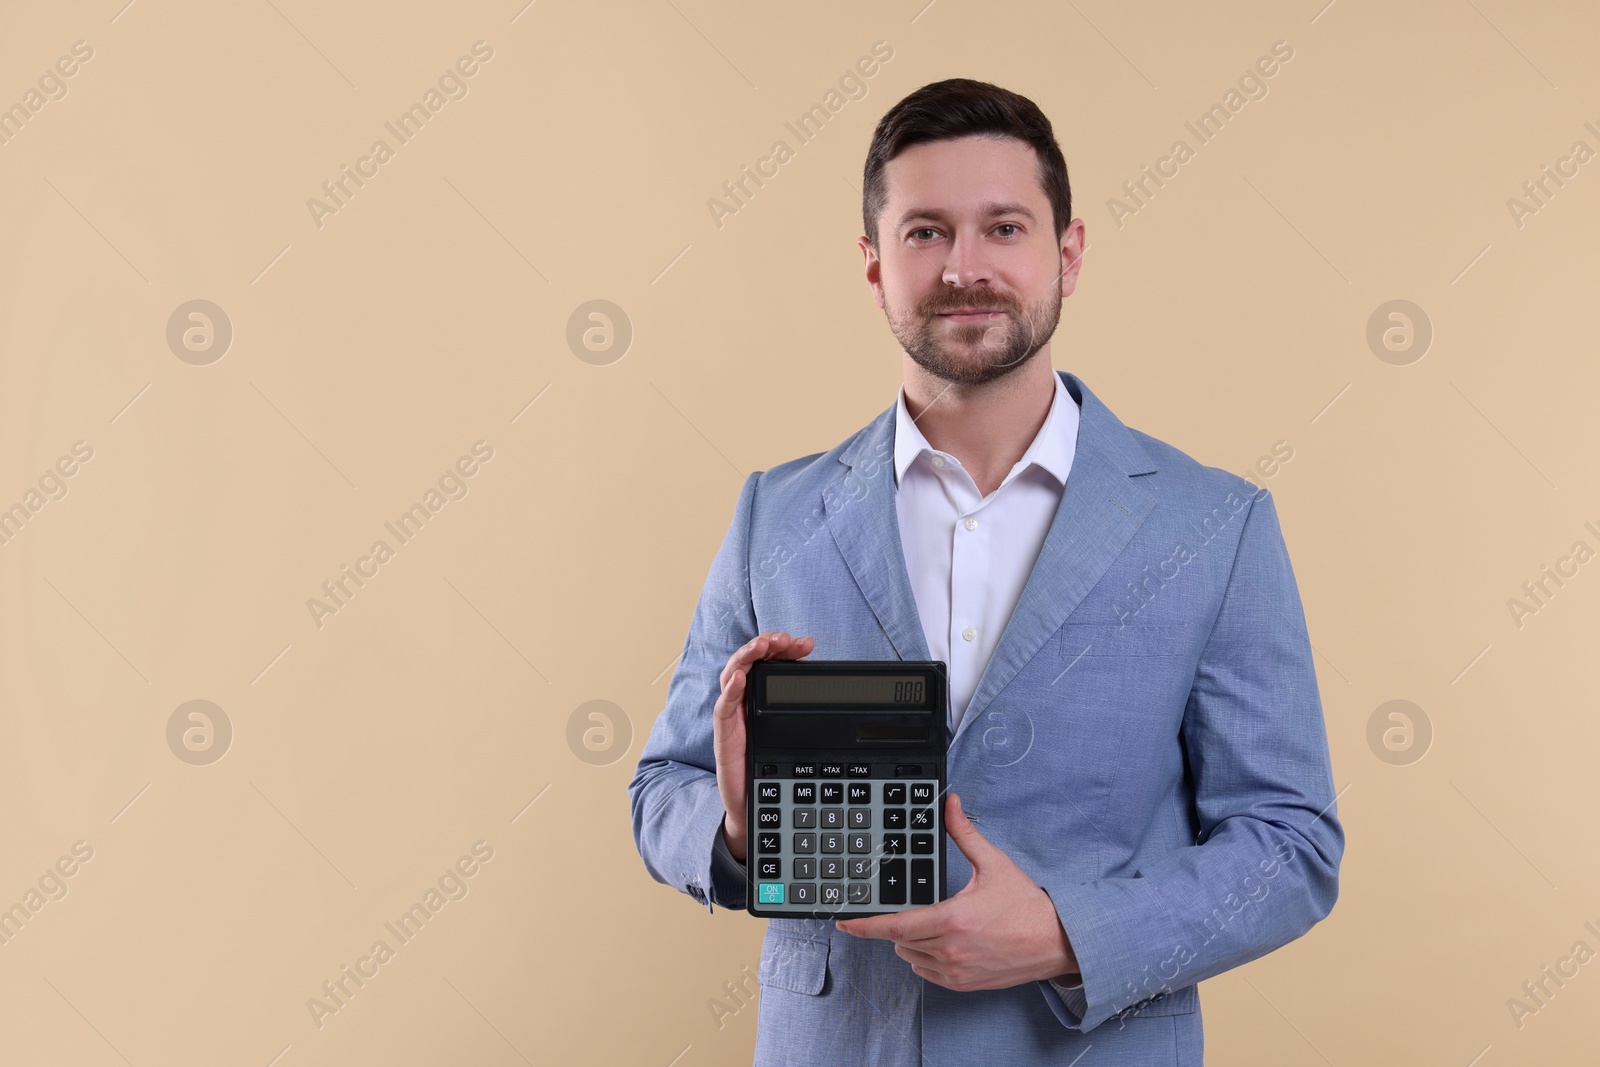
point(727, 726)
point(1001, 930)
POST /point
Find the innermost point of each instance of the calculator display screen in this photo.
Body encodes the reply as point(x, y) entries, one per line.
point(857, 690)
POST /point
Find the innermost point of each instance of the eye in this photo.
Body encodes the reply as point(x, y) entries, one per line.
point(1012, 225)
point(924, 229)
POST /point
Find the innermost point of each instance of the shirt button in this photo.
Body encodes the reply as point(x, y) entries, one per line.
point(968, 634)
point(938, 461)
point(971, 524)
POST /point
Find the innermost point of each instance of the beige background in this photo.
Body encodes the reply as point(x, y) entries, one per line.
point(432, 711)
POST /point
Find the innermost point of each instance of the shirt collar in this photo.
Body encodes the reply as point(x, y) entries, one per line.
point(1052, 447)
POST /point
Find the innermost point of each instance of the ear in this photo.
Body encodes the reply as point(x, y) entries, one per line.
point(874, 269)
point(1072, 246)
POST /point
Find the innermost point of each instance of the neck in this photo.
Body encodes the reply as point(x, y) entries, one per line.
point(987, 427)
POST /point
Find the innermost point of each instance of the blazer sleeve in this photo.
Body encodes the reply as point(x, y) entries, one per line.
point(1264, 868)
point(677, 810)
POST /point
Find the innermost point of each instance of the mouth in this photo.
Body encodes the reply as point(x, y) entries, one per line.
point(970, 315)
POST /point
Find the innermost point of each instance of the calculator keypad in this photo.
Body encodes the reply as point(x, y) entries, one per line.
point(855, 842)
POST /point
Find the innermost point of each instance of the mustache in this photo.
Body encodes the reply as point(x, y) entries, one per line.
point(981, 303)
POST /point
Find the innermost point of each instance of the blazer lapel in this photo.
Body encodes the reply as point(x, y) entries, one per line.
point(860, 505)
point(1100, 510)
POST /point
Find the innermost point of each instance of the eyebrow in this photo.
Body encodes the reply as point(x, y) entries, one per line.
point(990, 208)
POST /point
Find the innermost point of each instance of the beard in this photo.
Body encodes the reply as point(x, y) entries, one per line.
point(975, 353)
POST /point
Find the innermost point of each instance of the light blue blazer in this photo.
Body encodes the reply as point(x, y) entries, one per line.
point(1146, 742)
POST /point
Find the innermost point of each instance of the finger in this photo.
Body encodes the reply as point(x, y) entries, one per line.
point(741, 658)
point(775, 644)
point(972, 844)
point(939, 978)
point(797, 648)
point(736, 662)
point(772, 645)
point(917, 957)
point(915, 924)
point(730, 700)
point(781, 645)
point(755, 648)
point(875, 927)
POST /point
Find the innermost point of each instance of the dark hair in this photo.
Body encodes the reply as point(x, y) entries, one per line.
point(961, 107)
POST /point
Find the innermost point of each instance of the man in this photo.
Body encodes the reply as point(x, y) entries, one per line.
point(1141, 795)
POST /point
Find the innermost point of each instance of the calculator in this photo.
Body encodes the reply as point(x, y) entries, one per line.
point(845, 784)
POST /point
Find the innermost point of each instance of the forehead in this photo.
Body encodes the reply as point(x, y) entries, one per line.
point(963, 175)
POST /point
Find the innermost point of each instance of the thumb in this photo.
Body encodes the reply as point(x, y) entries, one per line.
point(972, 844)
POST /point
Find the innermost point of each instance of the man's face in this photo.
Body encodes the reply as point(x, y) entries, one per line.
point(967, 227)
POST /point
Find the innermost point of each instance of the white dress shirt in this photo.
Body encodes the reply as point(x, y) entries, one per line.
point(968, 555)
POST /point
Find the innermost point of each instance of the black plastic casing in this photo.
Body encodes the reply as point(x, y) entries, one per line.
point(824, 733)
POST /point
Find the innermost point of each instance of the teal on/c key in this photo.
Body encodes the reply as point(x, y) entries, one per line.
point(771, 892)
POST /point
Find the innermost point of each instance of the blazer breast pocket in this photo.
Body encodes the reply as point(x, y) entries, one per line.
point(799, 965)
point(1132, 639)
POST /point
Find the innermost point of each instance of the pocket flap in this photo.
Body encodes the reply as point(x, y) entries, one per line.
point(799, 965)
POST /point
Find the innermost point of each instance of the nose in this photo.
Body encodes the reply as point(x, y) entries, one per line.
point(967, 263)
